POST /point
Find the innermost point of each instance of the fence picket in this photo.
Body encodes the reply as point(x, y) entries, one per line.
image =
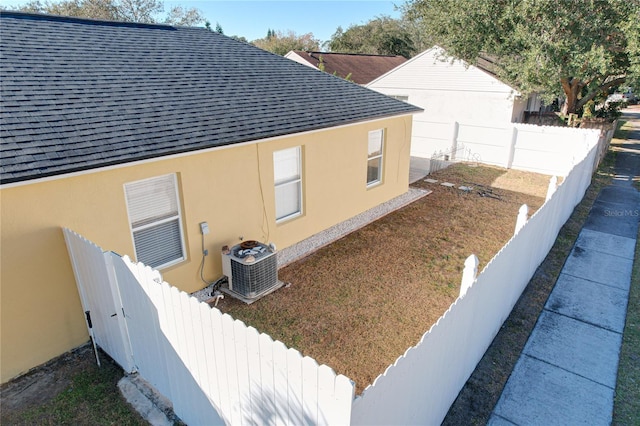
point(163, 356)
point(242, 369)
point(181, 400)
point(344, 394)
point(211, 384)
point(168, 327)
point(222, 371)
point(267, 369)
point(294, 391)
point(280, 383)
point(310, 389)
point(202, 373)
point(235, 415)
point(254, 371)
point(326, 396)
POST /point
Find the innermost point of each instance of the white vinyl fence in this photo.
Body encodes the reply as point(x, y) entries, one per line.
point(214, 369)
point(217, 370)
point(542, 149)
point(422, 384)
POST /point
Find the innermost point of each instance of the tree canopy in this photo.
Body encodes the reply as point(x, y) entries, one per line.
point(281, 43)
point(379, 36)
point(578, 49)
point(143, 11)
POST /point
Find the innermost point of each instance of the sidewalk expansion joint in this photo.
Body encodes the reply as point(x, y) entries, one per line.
point(581, 320)
point(593, 281)
point(568, 371)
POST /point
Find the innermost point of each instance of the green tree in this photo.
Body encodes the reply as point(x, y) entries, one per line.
point(577, 48)
point(281, 43)
point(379, 36)
point(143, 11)
point(240, 38)
point(184, 17)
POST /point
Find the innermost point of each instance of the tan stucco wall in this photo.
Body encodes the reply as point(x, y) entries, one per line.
point(231, 189)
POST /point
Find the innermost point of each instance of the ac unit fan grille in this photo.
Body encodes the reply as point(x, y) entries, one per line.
point(251, 280)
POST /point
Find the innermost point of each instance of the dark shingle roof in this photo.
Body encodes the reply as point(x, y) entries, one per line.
point(80, 94)
point(362, 68)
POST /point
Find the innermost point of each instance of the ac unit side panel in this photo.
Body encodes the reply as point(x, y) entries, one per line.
point(226, 269)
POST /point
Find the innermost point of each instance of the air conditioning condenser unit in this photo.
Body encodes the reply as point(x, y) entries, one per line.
point(252, 270)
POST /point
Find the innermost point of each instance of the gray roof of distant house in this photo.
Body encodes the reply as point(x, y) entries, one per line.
point(80, 94)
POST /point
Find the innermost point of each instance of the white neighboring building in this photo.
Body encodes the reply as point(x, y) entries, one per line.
point(451, 92)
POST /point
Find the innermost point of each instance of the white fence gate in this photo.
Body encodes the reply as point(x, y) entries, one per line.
point(214, 369)
point(100, 299)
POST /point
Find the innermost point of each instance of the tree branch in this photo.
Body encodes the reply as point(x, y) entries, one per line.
point(615, 82)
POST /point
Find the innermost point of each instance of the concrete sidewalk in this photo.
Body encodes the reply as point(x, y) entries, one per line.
point(566, 374)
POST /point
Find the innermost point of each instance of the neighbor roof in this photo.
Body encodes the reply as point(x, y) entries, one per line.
point(362, 68)
point(80, 94)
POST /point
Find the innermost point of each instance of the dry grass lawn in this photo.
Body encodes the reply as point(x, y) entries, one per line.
point(359, 303)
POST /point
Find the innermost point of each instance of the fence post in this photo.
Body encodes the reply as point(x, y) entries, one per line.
point(469, 273)
point(553, 185)
point(454, 140)
point(523, 214)
point(512, 147)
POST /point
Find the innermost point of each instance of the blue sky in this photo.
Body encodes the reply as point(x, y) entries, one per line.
point(252, 19)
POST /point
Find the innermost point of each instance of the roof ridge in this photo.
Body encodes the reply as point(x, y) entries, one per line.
point(81, 20)
point(350, 54)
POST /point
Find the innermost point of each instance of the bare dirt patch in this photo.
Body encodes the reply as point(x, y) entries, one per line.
point(359, 303)
point(40, 385)
point(70, 389)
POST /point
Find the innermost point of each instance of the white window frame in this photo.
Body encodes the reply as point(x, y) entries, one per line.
point(375, 157)
point(172, 197)
point(290, 180)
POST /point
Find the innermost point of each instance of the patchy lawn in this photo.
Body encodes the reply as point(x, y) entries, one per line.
point(359, 303)
point(68, 390)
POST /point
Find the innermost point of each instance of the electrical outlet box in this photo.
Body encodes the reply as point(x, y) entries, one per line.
point(204, 228)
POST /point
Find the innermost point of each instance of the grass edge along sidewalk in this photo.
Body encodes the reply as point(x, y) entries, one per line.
point(626, 408)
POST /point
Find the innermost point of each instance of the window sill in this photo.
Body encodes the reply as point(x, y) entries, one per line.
point(288, 218)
